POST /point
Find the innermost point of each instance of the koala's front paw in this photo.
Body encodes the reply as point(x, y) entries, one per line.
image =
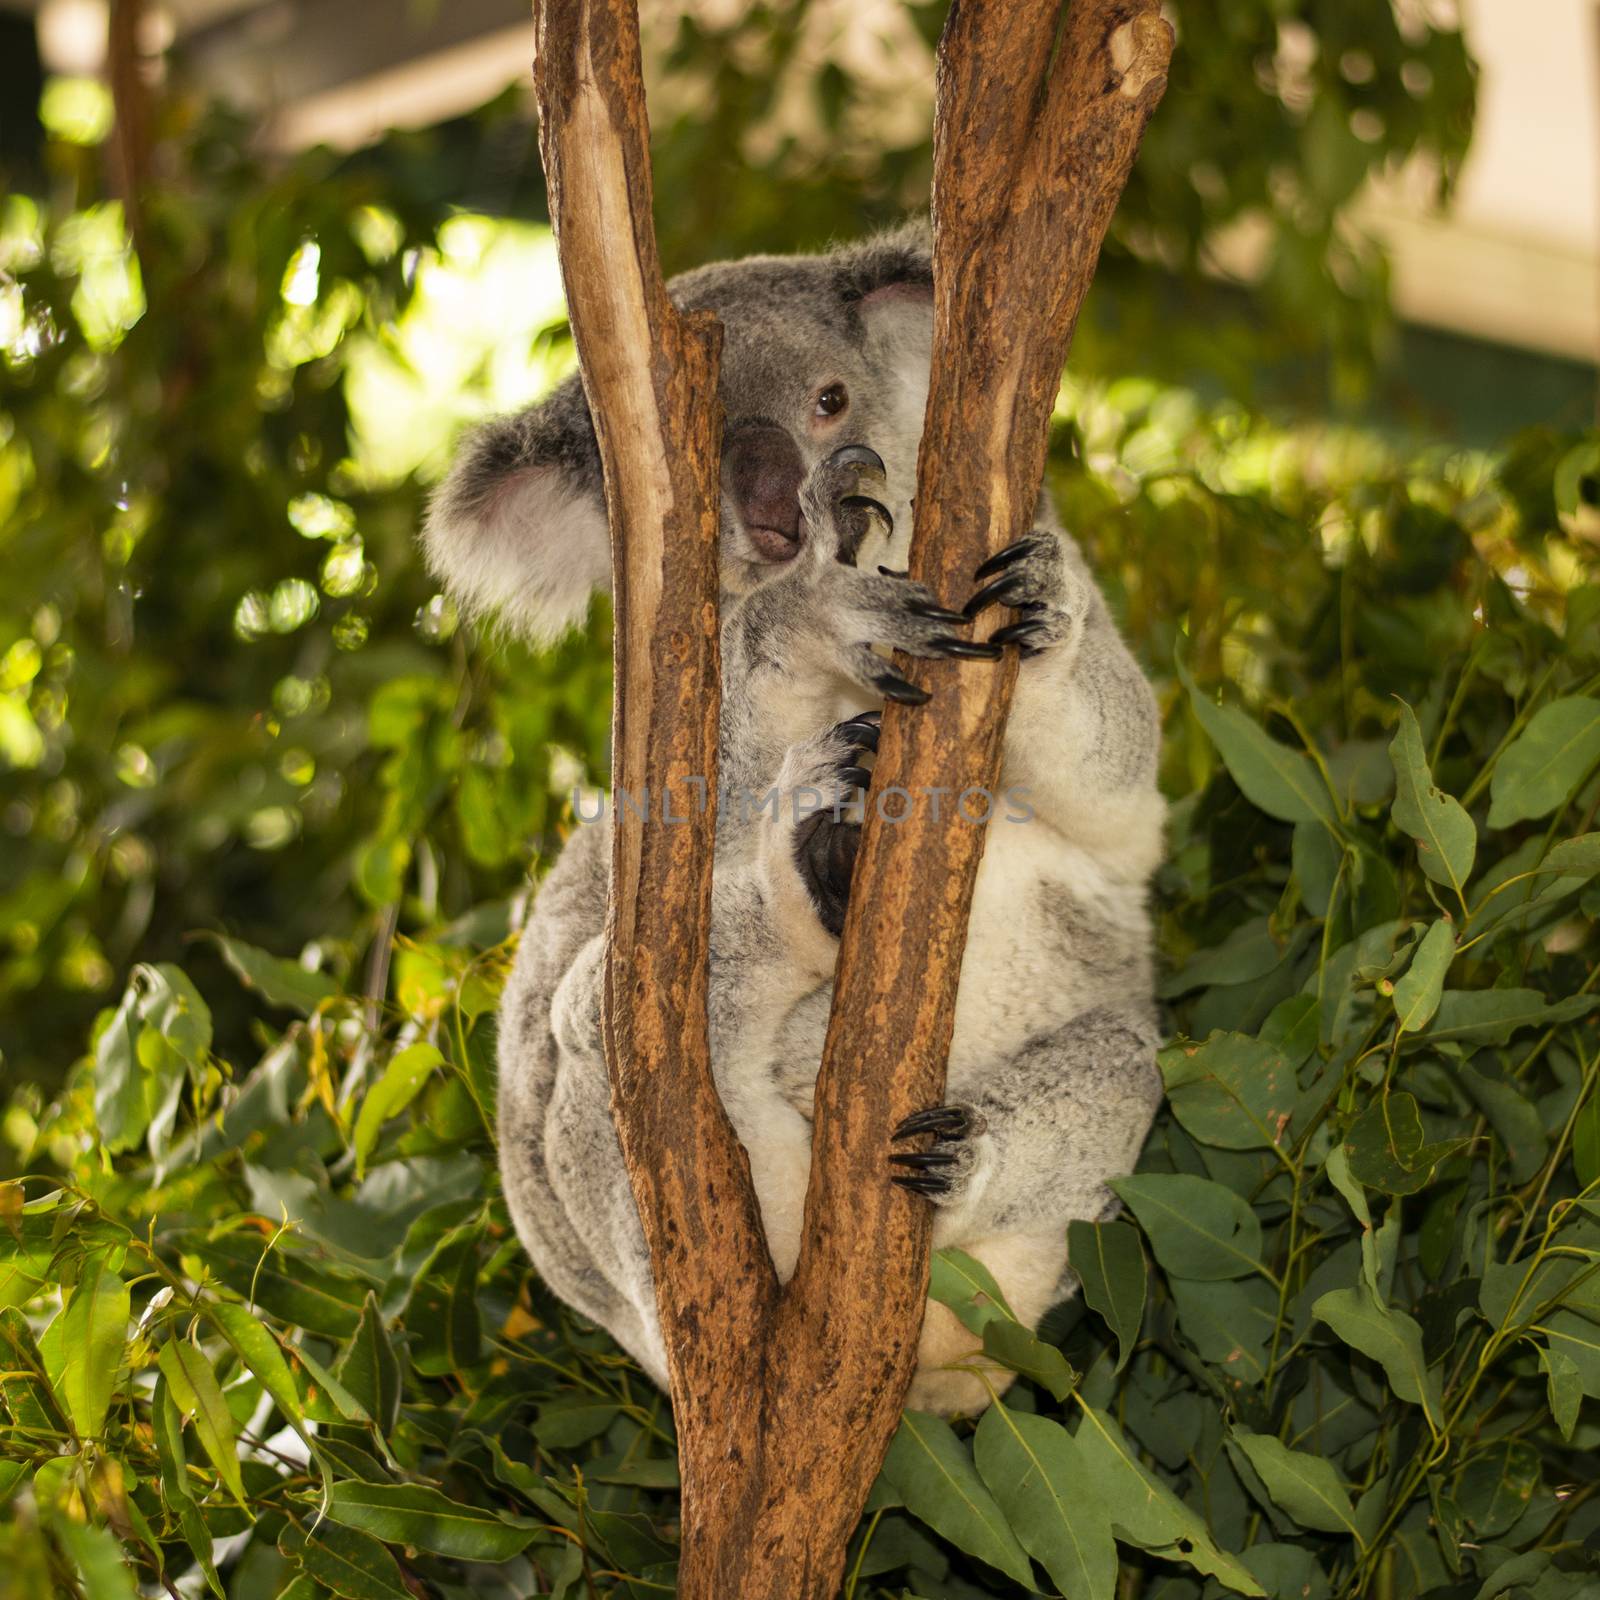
point(942, 1173)
point(826, 841)
point(1030, 576)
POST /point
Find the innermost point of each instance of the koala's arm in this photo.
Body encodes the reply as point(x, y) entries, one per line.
point(1049, 1125)
point(1084, 734)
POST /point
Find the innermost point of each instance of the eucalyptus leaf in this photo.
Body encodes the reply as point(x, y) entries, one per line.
point(1546, 761)
point(1282, 782)
point(932, 1471)
point(1110, 1265)
point(1033, 1468)
point(1197, 1228)
point(1304, 1485)
point(1445, 838)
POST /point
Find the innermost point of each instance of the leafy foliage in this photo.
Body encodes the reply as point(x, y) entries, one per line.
point(265, 1330)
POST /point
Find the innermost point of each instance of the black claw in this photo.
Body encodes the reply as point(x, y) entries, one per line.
point(895, 572)
point(856, 777)
point(926, 608)
point(923, 1160)
point(1023, 633)
point(945, 1122)
point(862, 734)
point(858, 455)
point(893, 687)
point(1004, 558)
point(966, 649)
point(867, 503)
point(1001, 592)
point(923, 1183)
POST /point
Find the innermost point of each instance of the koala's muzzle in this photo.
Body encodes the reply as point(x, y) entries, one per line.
point(762, 469)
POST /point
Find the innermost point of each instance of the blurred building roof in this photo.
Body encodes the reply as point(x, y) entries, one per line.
point(1517, 260)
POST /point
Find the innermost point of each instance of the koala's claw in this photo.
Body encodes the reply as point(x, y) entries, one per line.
point(893, 687)
point(923, 1160)
point(865, 502)
point(933, 613)
point(1032, 544)
point(895, 572)
point(967, 649)
point(863, 731)
point(923, 1183)
point(1026, 635)
point(943, 1122)
point(1004, 589)
point(860, 455)
point(855, 777)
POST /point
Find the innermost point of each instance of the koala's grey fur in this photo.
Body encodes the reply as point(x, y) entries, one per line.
point(1055, 1031)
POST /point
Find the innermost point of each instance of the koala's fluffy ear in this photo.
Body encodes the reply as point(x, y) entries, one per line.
point(518, 528)
point(887, 281)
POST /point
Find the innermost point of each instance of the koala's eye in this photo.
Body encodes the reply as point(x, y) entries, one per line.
point(832, 400)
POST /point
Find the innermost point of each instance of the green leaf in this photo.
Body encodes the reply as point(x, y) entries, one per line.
point(285, 984)
point(1197, 1228)
point(1275, 779)
point(963, 1283)
point(423, 1518)
point(442, 1310)
point(370, 1370)
point(1416, 994)
point(1440, 828)
point(1233, 1092)
point(167, 1426)
point(1514, 1118)
point(1305, 1486)
point(1390, 1338)
point(98, 1558)
point(345, 1560)
point(120, 1111)
point(257, 1346)
point(1386, 1149)
point(1546, 761)
point(1015, 1346)
point(391, 1094)
point(1565, 1387)
point(1109, 1261)
point(569, 1420)
point(1229, 1324)
point(1147, 1513)
point(197, 1395)
point(287, 1285)
point(1586, 1139)
point(327, 1400)
point(933, 1473)
point(94, 1330)
point(1491, 1016)
point(1034, 1471)
point(25, 1385)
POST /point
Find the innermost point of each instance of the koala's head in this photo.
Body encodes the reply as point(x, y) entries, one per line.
point(818, 352)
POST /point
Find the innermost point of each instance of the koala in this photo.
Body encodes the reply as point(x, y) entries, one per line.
point(1052, 1083)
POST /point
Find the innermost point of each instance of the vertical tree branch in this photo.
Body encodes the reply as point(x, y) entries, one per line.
point(786, 1401)
point(128, 149)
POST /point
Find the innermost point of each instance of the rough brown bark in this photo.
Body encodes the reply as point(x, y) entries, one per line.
point(786, 1399)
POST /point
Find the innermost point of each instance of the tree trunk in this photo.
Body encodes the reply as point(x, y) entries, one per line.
point(786, 1399)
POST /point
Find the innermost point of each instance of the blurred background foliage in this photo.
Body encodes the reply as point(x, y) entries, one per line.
point(268, 818)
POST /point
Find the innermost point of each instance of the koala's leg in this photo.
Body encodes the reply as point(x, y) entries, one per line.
point(1029, 1142)
point(564, 1177)
point(1084, 733)
point(1011, 1166)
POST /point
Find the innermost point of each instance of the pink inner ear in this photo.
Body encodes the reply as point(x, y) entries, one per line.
point(898, 294)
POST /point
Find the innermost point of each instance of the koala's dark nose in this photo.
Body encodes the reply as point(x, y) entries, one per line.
point(763, 472)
